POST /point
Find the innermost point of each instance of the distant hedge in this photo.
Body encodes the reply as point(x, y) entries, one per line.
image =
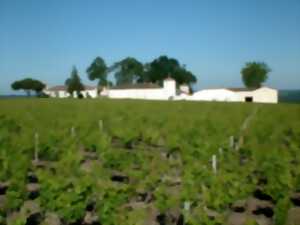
point(292, 96)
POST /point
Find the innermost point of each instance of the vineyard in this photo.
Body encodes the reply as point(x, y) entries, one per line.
point(148, 163)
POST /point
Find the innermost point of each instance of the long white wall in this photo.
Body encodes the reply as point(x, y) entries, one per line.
point(214, 95)
point(166, 93)
point(154, 94)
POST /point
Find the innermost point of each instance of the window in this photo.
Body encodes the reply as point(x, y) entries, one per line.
point(248, 99)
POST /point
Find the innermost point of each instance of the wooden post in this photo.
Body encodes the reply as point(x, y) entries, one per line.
point(214, 164)
point(187, 205)
point(100, 123)
point(36, 147)
point(240, 143)
point(73, 133)
point(231, 142)
point(221, 151)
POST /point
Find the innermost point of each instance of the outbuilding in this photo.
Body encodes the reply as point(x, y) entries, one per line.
point(260, 95)
point(263, 94)
point(60, 91)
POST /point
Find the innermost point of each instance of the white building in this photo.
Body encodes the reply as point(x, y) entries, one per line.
point(214, 95)
point(169, 91)
point(185, 89)
point(261, 95)
point(60, 91)
point(144, 91)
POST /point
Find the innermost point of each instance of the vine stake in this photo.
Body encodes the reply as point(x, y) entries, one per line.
point(231, 142)
point(100, 123)
point(221, 151)
point(36, 147)
point(73, 133)
point(187, 205)
point(214, 164)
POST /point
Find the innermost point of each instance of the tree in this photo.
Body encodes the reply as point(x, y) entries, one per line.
point(16, 85)
point(98, 70)
point(28, 85)
point(162, 67)
point(128, 70)
point(254, 74)
point(74, 82)
point(38, 87)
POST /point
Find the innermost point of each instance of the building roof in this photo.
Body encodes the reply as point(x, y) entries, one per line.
point(241, 89)
point(57, 88)
point(179, 92)
point(64, 88)
point(88, 87)
point(169, 78)
point(136, 86)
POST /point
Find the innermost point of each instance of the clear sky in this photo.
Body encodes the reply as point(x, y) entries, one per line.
point(214, 38)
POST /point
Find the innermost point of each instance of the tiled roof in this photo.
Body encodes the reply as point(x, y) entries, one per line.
point(64, 88)
point(136, 86)
point(57, 88)
point(241, 89)
point(87, 87)
point(169, 78)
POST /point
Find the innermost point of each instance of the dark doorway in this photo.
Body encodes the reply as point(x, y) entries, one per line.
point(249, 99)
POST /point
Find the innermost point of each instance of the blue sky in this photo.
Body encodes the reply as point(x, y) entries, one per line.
point(214, 38)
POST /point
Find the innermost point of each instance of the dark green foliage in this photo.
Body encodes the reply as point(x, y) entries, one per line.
point(74, 83)
point(111, 201)
point(254, 74)
point(98, 70)
point(38, 86)
point(162, 67)
point(290, 96)
point(28, 85)
point(281, 210)
point(65, 196)
point(128, 71)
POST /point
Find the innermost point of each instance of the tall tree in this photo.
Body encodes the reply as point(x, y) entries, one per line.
point(28, 85)
point(98, 70)
point(74, 82)
point(254, 74)
point(162, 67)
point(128, 70)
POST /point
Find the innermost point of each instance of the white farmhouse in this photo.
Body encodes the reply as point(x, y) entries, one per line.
point(60, 91)
point(144, 91)
point(169, 91)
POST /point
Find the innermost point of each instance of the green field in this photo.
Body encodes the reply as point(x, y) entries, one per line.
point(146, 162)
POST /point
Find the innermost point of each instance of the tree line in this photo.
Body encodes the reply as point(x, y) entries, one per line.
point(131, 71)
